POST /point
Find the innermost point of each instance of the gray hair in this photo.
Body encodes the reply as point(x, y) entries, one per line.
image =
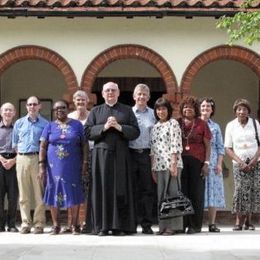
point(110, 83)
point(80, 93)
point(7, 103)
point(142, 87)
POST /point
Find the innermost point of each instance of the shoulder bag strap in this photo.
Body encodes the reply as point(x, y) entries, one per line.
point(256, 133)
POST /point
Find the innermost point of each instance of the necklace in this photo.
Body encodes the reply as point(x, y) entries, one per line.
point(63, 126)
point(186, 137)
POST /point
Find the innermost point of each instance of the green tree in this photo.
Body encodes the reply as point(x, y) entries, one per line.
point(244, 25)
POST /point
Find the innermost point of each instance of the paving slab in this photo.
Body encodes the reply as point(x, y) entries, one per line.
point(226, 245)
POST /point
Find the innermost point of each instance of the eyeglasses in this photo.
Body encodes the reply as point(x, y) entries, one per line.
point(110, 90)
point(32, 104)
point(59, 108)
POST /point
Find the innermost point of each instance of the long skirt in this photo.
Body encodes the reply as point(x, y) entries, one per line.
point(163, 178)
point(246, 197)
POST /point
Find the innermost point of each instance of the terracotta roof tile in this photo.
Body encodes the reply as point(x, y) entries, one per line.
point(115, 7)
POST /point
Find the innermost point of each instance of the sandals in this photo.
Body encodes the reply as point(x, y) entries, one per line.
point(237, 228)
point(166, 232)
point(250, 227)
point(66, 230)
point(213, 228)
point(75, 230)
point(55, 230)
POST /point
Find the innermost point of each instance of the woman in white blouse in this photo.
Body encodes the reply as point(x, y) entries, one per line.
point(242, 147)
point(166, 149)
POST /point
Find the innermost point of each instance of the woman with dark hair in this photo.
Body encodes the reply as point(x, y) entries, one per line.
point(214, 186)
point(196, 154)
point(63, 157)
point(166, 160)
point(243, 148)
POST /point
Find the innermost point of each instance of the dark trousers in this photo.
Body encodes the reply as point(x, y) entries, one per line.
point(193, 186)
point(9, 187)
point(143, 187)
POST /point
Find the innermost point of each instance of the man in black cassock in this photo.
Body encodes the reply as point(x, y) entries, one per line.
point(111, 125)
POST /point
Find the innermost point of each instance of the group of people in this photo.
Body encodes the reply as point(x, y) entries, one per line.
point(123, 151)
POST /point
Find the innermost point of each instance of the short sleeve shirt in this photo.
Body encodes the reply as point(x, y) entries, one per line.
point(242, 139)
point(192, 138)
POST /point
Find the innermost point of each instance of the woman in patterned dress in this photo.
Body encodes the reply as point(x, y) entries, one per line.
point(214, 186)
point(62, 157)
point(242, 147)
point(166, 148)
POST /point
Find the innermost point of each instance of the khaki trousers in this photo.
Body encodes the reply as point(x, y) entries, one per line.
point(30, 187)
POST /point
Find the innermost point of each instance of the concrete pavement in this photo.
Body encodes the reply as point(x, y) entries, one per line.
point(225, 245)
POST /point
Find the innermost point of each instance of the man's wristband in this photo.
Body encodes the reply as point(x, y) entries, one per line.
point(206, 162)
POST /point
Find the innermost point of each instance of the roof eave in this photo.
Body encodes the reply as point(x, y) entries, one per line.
point(98, 12)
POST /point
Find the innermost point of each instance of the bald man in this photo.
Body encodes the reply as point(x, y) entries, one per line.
point(111, 126)
point(8, 180)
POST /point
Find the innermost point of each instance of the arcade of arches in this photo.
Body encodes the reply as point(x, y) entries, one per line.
point(218, 72)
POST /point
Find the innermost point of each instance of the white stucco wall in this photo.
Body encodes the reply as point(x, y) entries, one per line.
point(79, 40)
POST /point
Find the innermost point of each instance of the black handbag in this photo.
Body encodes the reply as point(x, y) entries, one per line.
point(177, 206)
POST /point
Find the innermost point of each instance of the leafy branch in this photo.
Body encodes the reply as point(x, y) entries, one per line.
point(242, 26)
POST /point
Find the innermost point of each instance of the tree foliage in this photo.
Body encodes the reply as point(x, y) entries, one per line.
point(242, 26)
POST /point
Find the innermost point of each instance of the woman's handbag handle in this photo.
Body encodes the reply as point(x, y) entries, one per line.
point(168, 184)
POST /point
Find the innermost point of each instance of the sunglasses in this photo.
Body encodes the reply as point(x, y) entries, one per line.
point(59, 108)
point(32, 104)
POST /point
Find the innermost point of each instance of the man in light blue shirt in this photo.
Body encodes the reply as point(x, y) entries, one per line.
point(141, 163)
point(26, 140)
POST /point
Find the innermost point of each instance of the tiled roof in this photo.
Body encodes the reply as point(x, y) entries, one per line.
point(128, 8)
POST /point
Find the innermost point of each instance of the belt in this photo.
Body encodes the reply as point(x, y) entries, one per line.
point(31, 153)
point(8, 155)
point(146, 150)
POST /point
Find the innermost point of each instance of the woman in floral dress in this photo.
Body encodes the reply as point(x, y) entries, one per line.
point(62, 157)
point(166, 148)
point(214, 186)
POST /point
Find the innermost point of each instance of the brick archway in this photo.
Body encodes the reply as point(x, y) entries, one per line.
point(127, 51)
point(31, 52)
point(237, 53)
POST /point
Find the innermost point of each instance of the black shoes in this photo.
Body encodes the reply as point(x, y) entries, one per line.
point(118, 233)
point(102, 233)
point(2, 229)
point(213, 228)
point(192, 230)
point(250, 227)
point(55, 230)
point(237, 228)
point(147, 230)
point(13, 229)
point(84, 229)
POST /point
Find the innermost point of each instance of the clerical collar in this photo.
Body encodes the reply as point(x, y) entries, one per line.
point(111, 105)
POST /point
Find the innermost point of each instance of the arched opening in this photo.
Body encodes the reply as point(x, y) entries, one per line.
point(225, 73)
point(32, 77)
point(45, 61)
point(128, 52)
point(127, 73)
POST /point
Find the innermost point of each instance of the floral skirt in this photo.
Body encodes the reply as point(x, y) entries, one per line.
point(246, 198)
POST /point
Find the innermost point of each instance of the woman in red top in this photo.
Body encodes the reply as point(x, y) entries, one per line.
point(196, 153)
